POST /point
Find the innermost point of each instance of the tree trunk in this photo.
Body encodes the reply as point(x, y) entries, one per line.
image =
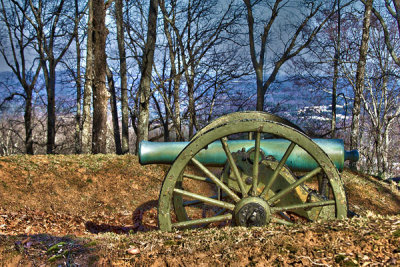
point(114, 111)
point(260, 93)
point(385, 156)
point(28, 122)
point(335, 75)
point(177, 111)
point(51, 109)
point(100, 94)
point(378, 149)
point(123, 75)
point(147, 64)
point(191, 108)
point(166, 126)
point(163, 121)
point(176, 115)
point(88, 88)
point(78, 118)
point(355, 124)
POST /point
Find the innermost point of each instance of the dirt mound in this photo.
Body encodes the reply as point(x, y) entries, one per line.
point(84, 191)
point(84, 209)
point(367, 195)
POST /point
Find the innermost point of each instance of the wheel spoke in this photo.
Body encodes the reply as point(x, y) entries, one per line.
point(197, 178)
point(280, 221)
point(278, 169)
point(217, 181)
point(255, 164)
point(194, 202)
point(233, 166)
point(292, 186)
point(303, 206)
point(207, 200)
point(323, 185)
point(220, 218)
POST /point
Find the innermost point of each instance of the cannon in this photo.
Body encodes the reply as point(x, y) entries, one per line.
point(249, 169)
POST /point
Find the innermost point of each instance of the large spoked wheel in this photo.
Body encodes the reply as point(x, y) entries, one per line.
point(249, 192)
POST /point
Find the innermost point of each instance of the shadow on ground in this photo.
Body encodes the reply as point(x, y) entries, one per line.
point(144, 219)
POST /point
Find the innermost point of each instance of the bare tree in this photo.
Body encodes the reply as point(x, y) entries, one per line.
point(146, 69)
point(335, 73)
point(135, 22)
point(76, 72)
point(299, 37)
point(323, 63)
point(50, 23)
point(123, 74)
point(194, 42)
point(166, 94)
point(100, 94)
point(78, 118)
point(381, 99)
point(88, 87)
point(25, 69)
point(223, 67)
point(175, 72)
point(395, 13)
point(114, 110)
point(360, 76)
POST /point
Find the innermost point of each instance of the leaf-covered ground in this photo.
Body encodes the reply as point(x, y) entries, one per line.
point(101, 210)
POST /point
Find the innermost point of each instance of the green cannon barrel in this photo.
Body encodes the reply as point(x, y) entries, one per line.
point(214, 155)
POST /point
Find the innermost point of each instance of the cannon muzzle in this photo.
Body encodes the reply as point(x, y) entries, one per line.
point(214, 155)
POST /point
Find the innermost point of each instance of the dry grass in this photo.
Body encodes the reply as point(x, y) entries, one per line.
point(87, 210)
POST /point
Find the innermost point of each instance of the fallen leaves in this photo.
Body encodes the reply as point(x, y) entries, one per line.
point(80, 210)
point(325, 244)
point(355, 242)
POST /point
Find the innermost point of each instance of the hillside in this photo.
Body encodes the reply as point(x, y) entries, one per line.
point(101, 210)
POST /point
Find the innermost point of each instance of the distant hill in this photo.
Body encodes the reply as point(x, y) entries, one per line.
point(300, 104)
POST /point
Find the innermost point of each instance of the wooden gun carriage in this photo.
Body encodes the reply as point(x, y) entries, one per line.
point(249, 169)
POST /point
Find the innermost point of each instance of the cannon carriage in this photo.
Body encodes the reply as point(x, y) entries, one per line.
point(249, 169)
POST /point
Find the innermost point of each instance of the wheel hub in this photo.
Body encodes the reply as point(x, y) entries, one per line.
point(252, 211)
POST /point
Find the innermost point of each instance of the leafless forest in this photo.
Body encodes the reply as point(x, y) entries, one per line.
point(99, 76)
